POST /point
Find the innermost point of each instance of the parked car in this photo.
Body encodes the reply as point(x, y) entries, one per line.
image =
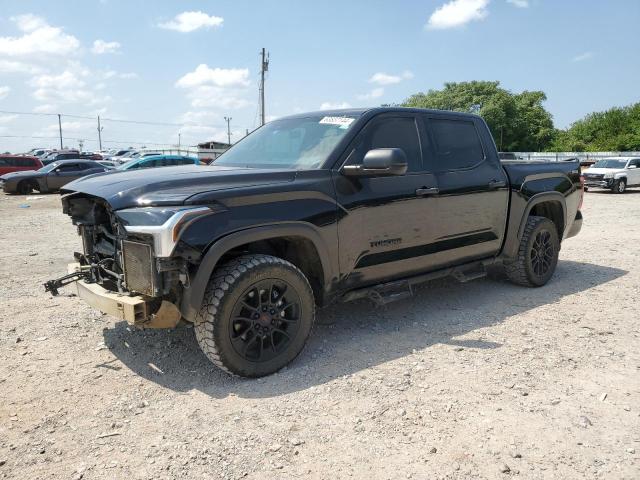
point(61, 155)
point(18, 163)
point(107, 163)
point(50, 177)
point(154, 161)
point(116, 153)
point(90, 156)
point(615, 174)
point(124, 157)
point(307, 210)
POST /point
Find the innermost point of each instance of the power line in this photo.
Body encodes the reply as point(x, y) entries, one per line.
point(127, 142)
point(116, 120)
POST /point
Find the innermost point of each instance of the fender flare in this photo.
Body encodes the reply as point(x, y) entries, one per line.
point(194, 294)
point(518, 215)
point(540, 198)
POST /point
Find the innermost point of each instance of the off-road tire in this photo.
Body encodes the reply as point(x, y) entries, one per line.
point(229, 282)
point(522, 271)
point(24, 187)
point(619, 186)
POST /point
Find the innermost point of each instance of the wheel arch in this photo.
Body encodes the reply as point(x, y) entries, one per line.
point(552, 205)
point(297, 242)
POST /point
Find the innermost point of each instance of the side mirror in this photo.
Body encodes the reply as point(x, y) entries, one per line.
point(631, 166)
point(380, 162)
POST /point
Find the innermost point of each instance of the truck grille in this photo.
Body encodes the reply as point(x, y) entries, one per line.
point(138, 267)
point(593, 176)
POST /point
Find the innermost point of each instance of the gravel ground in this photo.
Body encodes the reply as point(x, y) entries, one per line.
point(477, 380)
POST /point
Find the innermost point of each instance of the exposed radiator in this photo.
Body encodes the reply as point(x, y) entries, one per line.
point(138, 267)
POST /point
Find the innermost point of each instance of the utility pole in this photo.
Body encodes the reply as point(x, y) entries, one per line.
point(60, 130)
point(264, 67)
point(228, 120)
point(81, 144)
point(99, 134)
point(179, 142)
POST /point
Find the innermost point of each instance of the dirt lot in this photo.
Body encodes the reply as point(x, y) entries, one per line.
point(482, 380)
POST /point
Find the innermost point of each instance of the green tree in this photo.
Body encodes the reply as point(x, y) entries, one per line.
point(518, 122)
point(617, 129)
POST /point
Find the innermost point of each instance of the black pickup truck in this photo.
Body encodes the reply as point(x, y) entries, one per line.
point(311, 209)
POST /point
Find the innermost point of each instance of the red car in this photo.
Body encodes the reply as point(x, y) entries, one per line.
point(18, 163)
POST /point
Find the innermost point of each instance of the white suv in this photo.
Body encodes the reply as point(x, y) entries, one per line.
point(614, 173)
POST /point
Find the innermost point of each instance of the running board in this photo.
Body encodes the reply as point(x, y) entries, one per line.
point(400, 289)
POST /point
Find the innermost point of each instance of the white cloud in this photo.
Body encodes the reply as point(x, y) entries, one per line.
point(221, 88)
point(4, 91)
point(8, 118)
point(14, 66)
point(519, 3)
point(582, 57)
point(113, 74)
point(100, 47)
point(39, 38)
point(190, 21)
point(219, 77)
point(382, 78)
point(457, 13)
point(334, 105)
point(68, 87)
point(374, 93)
point(45, 108)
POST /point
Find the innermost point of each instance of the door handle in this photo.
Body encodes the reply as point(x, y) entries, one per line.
point(497, 184)
point(427, 191)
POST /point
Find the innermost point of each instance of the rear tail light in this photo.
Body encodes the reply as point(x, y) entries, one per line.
point(581, 191)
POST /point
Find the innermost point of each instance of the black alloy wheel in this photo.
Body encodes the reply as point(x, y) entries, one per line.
point(264, 320)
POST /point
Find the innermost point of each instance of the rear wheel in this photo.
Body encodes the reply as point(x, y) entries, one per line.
point(619, 186)
point(24, 187)
point(256, 315)
point(537, 254)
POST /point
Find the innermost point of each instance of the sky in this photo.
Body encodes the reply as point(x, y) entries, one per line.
point(187, 65)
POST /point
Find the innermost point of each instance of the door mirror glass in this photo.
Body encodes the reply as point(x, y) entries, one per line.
point(379, 162)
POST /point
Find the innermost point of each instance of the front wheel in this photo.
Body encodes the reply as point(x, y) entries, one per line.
point(256, 316)
point(619, 186)
point(24, 187)
point(537, 254)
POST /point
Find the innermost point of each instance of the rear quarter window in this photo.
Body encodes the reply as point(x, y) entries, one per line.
point(457, 144)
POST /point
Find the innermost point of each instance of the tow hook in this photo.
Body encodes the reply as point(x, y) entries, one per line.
point(53, 285)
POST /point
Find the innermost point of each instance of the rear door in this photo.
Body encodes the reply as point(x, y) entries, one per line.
point(473, 196)
point(386, 224)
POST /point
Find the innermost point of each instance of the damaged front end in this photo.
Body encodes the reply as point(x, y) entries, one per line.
point(129, 267)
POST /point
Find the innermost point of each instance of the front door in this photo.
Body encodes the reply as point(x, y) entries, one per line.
point(62, 175)
point(386, 224)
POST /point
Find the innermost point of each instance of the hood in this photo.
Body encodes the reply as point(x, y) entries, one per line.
point(600, 171)
point(24, 173)
point(170, 185)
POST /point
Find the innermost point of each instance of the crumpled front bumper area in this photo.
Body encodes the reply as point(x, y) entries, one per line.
point(131, 309)
point(135, 310)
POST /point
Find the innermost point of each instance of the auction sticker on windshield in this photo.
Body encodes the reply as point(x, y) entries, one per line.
point(342, 122)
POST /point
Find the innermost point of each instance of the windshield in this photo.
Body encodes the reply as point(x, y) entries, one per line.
point(297, 143)
point(49, 167)
point(610, 164)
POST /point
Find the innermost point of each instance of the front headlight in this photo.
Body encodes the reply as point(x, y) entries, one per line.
point(164, 224)
point(608, 175)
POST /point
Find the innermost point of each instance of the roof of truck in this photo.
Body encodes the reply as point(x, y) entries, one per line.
point(357, 112)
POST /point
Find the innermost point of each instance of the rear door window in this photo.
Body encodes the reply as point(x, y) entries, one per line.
point(456, 142)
